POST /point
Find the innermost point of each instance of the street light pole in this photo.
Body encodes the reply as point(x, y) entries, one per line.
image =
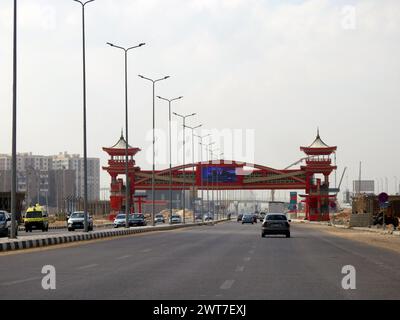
point(170, 152)
point(208, 166)
point(183, 169)
point(193, 185)
point(154, 142)
point(85, 184)
point(13, 233)
point(201, 173)
point(127, 186)
point(216, 193)
point(219, 197)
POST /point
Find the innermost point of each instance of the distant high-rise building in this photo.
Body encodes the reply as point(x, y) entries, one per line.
point(47, 179)
point(75, 162)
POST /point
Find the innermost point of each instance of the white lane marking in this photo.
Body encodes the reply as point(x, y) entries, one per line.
point(227, 285)
point(251, 251)
point(247, 259)
point(124, 257)
point(239, 269)
point(87, 266)
point(19, 281)
point(146, 250)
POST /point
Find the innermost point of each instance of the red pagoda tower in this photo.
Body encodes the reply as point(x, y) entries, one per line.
point(116, 167)
point(317, 198)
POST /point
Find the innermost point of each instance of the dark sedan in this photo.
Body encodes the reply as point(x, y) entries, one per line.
point(275, 223)
point(137, 219)
point(248, 218)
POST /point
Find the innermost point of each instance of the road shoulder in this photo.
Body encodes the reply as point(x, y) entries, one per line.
point(384, 241)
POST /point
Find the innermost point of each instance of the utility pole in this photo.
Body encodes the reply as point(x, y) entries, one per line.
point(359, 179)
point(127, 184)
point(13, 233)
point(85, 184)
point(154, 143)
point(170, 151)
point(183, 154)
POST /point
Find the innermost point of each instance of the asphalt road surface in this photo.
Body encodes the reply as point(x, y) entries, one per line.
point(224, 261)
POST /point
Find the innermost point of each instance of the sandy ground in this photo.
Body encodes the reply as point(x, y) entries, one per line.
point(377, 240)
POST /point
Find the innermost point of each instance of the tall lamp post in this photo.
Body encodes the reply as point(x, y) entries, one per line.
point(183, 169)
point(170, 151)
point(212, 181)
point(193, 185)
point(127, 187)
point(208, 145)
point(85, 183)
point(13, 233)
point(154, 142)
point(219, 192)
point(201, 172)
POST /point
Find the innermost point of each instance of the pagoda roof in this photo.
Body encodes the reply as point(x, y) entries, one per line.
point(318, 143)
point(120, 147)
point(121, 144)
point(318, 146)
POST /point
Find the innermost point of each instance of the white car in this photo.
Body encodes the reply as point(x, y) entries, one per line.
point(76, 221)
point(120, 220)
point(5, 223)
point(159, 218)
point(175, 219)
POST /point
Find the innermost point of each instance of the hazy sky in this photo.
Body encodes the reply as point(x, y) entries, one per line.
point(280, 68)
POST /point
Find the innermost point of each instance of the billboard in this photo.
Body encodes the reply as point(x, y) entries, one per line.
point(219, 174)
point(293, 201)
point(363, 186)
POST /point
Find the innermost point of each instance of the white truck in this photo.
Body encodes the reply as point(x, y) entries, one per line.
point(277, 207)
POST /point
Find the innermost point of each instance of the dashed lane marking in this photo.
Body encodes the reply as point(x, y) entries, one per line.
point(19, 281)
point(227, 285)
point(124, 257)
point(87, 266)
point(239, 269)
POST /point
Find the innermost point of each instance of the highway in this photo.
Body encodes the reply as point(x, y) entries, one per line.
point(224, 261)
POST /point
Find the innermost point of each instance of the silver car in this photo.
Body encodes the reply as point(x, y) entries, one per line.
point(76, 221)
point(159, 218)
point(175, 219)
point(120, 220)
point(5, 223)
point(275, 223)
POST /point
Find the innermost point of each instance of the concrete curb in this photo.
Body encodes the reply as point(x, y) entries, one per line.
point(43, 240)
point(371, 230)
